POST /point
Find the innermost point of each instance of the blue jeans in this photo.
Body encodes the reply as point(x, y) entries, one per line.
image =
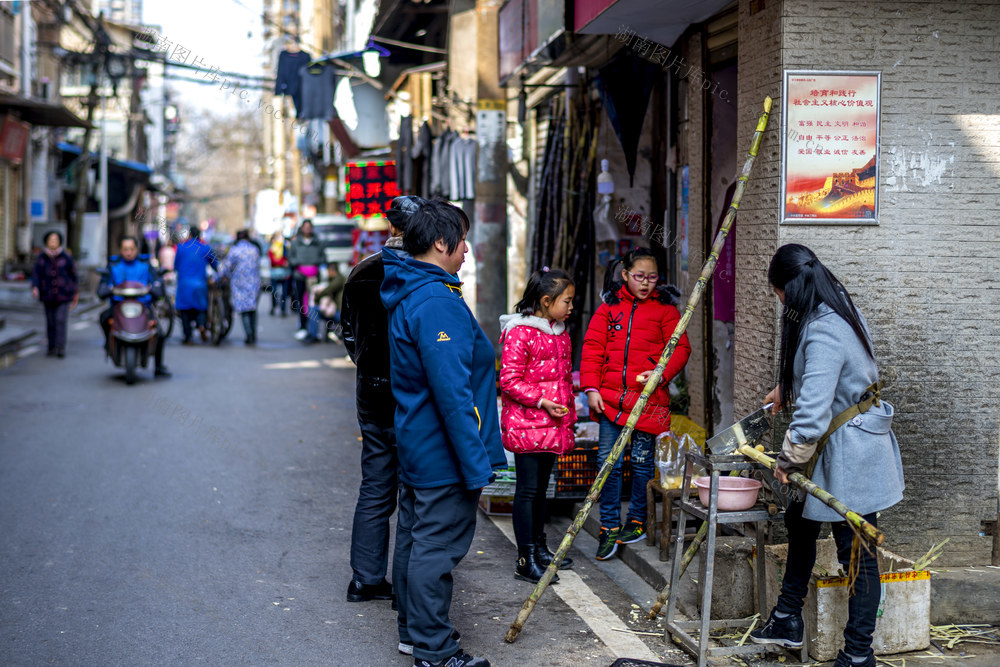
point(643, 453)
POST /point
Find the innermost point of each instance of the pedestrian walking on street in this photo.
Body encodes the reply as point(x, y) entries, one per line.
point(54, 283)
point(447, 428)
point(191, 263)
point(624, 341)
point(277, 252)
point(243, 265)
point(365, 326)
point(305, 254)
point(840, 436)
point(536, 384)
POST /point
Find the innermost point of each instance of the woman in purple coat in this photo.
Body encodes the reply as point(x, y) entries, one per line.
point(54, 283)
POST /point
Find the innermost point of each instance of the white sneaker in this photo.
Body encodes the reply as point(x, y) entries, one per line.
point(301, 334)
point(334, 338)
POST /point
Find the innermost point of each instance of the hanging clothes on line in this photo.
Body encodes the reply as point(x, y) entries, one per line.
point(404, 156)
point(462, 168)
point(287, 75)
point(317, 82)
point(440, 163)
point(423, 161)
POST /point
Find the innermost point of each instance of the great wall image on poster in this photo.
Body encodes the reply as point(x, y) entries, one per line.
point(830, 147)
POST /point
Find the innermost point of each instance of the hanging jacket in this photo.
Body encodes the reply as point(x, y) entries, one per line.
point(623, 340)
point(287, 76)
point(317, 85)
point(443, 378)
point(536, 363)
point(193, 257)
point(55, 278)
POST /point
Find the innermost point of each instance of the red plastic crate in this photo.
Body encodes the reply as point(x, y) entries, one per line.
point(575, 472)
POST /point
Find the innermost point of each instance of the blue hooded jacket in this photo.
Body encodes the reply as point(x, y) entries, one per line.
point(443, 379)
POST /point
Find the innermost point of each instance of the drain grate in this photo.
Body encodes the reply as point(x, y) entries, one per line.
point(630, 662)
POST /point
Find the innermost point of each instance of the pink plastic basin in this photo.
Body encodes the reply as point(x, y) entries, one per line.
point(735, 493)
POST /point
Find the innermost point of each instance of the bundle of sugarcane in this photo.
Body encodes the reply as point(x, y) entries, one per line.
point(654, 380)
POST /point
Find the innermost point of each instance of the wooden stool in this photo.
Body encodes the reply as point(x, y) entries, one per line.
point(668, 497)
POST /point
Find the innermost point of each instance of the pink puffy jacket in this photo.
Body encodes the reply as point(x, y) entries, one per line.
point(536, 363)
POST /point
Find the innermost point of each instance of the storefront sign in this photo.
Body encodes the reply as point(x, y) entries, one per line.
point(371, 187)
point(13, 139)
point(829, 163)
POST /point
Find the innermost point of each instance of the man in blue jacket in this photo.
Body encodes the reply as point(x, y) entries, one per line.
point(130, 266)
point(447, 427)
point(193, 257)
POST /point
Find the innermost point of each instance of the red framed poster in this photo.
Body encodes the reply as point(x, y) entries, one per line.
point(13, 139)
point(829, 162)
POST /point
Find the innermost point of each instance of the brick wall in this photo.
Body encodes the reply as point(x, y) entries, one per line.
point(927, 276)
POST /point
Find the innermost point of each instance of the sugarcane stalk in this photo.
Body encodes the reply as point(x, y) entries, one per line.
point(873, 535)
point(654, 380)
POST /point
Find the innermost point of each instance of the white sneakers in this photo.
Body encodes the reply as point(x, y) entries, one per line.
point(301, 334)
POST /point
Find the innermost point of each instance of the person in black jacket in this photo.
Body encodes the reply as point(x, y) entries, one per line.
point(365, 328)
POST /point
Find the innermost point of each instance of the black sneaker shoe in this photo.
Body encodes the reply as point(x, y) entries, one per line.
point(607, 543)
point(460, 659)
point(785, 631)
point(634, 531)
point(407, 649)
point(359, 592)
point(162, 372)
point(844, 660)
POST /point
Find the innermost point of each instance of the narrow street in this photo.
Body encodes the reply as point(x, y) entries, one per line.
point(206, 519)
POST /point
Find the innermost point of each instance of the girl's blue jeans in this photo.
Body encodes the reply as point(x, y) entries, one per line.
point(643, 452)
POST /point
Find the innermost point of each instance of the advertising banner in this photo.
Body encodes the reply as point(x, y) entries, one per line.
point(829, 162)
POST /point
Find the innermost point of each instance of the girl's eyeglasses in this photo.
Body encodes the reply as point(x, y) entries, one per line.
point(644, 277)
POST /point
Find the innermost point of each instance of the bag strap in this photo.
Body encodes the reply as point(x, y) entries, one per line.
point(847, 415)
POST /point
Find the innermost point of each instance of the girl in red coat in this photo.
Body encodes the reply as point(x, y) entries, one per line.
point(623, 344)
point(536, 421)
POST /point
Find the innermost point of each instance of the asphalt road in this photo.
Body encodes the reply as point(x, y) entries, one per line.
point(205, 519)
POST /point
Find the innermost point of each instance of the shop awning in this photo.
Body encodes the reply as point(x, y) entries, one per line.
point(661, 21)
point(38, 112)
point(124, 164)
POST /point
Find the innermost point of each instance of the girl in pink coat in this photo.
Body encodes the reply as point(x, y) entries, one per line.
point(536, 421)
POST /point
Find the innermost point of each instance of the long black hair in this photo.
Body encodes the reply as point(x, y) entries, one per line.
point(807, 283)
point(663, 293)
point(546, 282)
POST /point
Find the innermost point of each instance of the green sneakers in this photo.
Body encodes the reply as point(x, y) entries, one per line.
point(633, 532)
point(608, 543)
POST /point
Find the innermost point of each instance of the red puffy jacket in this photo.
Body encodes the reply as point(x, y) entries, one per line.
point(536, 363)
point(624, 340)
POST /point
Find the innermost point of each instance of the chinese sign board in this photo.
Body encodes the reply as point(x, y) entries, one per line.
point(829, 165)
point(371, 187)
point(13, 139)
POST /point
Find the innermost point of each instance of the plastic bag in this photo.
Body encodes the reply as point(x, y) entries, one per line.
point(670, 459)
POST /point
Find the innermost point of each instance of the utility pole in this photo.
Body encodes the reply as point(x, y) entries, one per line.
point(489, 231)
point(97, 60)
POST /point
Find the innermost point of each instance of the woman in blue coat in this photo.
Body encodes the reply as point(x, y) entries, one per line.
point(193, 257)
point(827, 366)
point(243, 265)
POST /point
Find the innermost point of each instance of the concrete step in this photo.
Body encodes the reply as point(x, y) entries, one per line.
point(13, 339)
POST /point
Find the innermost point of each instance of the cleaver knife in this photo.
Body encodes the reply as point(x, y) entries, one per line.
point(753, 426)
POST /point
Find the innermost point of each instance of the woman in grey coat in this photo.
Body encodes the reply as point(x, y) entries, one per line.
point(827, 365)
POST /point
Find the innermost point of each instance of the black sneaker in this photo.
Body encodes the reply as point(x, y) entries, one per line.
point(359, 592)
point(607, 542)
point(460, 659)
point(634, 531)
point(844, 660)
point(407, 649)
point(785, 631)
